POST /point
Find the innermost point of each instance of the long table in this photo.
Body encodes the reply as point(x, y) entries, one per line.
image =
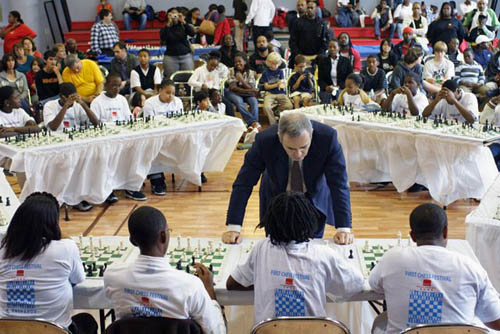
point(90, 169)
point(6, 212)
point(353, 311)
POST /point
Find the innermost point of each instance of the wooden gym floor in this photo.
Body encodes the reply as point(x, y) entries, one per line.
point(377, 213)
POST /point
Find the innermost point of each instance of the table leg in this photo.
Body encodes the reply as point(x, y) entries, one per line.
point(102, 321)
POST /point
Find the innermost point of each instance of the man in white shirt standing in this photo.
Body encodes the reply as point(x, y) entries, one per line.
point(151, 287)
point(262, 14)
point(454, 104)
point(429, 284)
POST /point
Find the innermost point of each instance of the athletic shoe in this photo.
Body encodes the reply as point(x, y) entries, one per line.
point(112, 198)
point(158, 187)
point(135, 195)
point(203, 178)
point(83, 206)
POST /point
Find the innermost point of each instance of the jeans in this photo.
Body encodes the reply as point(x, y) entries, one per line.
point(346, 18)
point(377, 28)
point(249, 116)
point(172, 64)
point(143, 19)
point(399, 29)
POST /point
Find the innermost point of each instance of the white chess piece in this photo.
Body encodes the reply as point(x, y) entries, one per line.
point(399, 238)
point(178, 242)
point(367, 245)
point(121, 245)
point(188, 248)
point(409, 240)
point(100, 243)
point(3, 218)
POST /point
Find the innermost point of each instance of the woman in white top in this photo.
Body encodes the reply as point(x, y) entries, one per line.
point(419, 25)
point(39, 268)
point(438, 69)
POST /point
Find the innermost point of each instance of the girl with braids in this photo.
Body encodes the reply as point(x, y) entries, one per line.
point(346, 50)
point(287, 265)
point(39, 268)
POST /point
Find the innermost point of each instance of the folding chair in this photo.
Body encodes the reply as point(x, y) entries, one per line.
point(186, 93)
point(300, 325)
point(30, 326)
point(446, 329)
point(153, 325)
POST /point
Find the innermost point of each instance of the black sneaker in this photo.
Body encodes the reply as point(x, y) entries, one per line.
point(135, 195)
point(417, 188)
point(203, 178)
point(112, 198)
point(83, 206)
point(158, 187)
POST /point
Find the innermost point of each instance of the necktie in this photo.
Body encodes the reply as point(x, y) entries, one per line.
point(296, 182)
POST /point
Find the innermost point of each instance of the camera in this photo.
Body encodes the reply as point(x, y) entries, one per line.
point(175, 16)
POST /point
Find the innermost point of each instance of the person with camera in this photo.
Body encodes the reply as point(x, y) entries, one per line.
point(135, 10)
point(175, 34)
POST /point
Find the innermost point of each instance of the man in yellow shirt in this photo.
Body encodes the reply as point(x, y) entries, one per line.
point(85, 75)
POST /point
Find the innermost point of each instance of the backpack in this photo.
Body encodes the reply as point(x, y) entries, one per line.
point(150, 13)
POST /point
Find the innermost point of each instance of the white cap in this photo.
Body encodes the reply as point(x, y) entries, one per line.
point(482, 38)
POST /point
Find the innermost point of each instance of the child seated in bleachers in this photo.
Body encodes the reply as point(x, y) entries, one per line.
point(301, 84)
point(137, 104)
point(201, 101)
point(353, 96)
point(165, 102)
point(407, 99)
point(145, 78)
point(287, 265)
point(273, 83)
point(374, 80)
point(437, 69)
point(209, 75)
point(470, 75)
point(216, 104)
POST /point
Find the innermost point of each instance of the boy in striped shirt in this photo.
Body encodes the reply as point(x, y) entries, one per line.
point(470, 75)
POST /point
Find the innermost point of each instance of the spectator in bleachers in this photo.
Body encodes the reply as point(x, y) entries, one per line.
point(36, 66)
point(193, 19)
point(407, 99)
point(216, 104)
point(72, 48)
point(482, 52)
point(410, 63)
point(145, 78)
point(402, 13)
point(454, 104)
point(374, 80)
point(175, 35)
point(481, 29)
point(466, 7)
point(9, 76)
point(227, 51)
point(332, 72)
point(85, 75)
point(23, 61)
point(48, 78)
point(60, 50)
point(432, 13)
point(300, 11)
point(406, 44)
point(135, 10)
point(454, 54)
point(30, 47)
point(273, 83)
point(309, 36)
point(239, 17)
point(472, 19)
point(104, 34)
point(347, 15)
point(438, 69)
point(445, 27)
point(382, 16)
point(123, 63)
point(261, 12)
point(492, 73)
point(137, 104)
point(470, 74)
point(242, 90)
point(352, 95)
point(301, 84)
point(210, 74)
point(274, 44)
point(201, 100)
point(258, 59)
point(347, 51)
point(419, 25)
point(14, 32)
point(103, 4)
point(387, 60)
point(212, 14)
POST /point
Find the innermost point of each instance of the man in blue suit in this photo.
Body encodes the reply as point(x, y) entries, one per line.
point(296, 155)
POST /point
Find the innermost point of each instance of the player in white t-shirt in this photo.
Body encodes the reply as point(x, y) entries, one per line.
point(38, 268)
point(290, 275)
point(429, 284)
point(408, 99)
point(68, 111)
point(13, 119)
point(110, 106)
point(454, 104)
point(163, 103)
point(150, 287)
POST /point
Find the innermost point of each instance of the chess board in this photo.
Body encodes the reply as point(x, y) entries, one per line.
point(371, 255)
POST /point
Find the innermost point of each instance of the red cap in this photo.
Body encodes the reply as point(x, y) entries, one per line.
point(408, 30)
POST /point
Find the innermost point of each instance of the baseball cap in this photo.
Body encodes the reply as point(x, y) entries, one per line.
point(482, 38)
point(408, 30)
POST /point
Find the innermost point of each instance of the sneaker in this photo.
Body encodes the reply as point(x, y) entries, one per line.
point(83, 206)
point(158, 187)
point(203, 178)
point(135, 195)
point(112, 198)
point(417, 188)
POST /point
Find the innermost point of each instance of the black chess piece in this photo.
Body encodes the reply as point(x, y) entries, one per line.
point(211, 268)
point(7, 201)
point(350, 254)
point(179, 265)
point(372, 266)
point(89, 270)
point(84, 266)
point(105, 266)
point(94, 266)
point(1, 201)
point(192, 260)
point(187, 269)
point(101, 271)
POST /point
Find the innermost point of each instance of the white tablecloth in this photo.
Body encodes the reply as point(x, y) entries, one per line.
point(89, 170)
point(6, 191)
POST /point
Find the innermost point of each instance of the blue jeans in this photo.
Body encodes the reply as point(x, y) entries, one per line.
point(249, 116)
point(377, 28)
point(346, 18)
point(399, 29)
point(143, 19)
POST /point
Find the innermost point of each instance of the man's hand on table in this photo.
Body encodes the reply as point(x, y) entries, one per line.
point(231, 237)
point(343, 238)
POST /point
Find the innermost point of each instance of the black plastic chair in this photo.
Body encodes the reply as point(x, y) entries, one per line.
point(154, 325)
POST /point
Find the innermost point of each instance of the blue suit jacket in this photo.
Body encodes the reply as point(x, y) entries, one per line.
point(323, 168)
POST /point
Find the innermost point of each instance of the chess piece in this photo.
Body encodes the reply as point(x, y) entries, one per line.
point(179, 265)
point(100, 243)
point(188, 248)
point(101, 271)
point(372, 265)
point(1, 201)
point(211, 268)
point(399, 238)
point(121, 245)
point(367, 245)
point(193, 260)
point(94, 266)
point(350, 254)
point(7, 201)
point(178, 239)
point(409, 240)
point(187, 269)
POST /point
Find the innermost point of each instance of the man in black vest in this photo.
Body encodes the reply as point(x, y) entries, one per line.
point(145, 78)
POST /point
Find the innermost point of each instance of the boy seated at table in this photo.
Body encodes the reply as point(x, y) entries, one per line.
point(470, 74)
point(429, 284)
point(407, 99)
point(145, 78)
point(352, 95)
point(374, 79)
point(453, 103)
point(216, 104)
point(13, 119)
point(164, 102)
point(273, 83)
point(301, 83)
point(110, 106)
point(287, 267)
point(151, 287)
point(68, 111)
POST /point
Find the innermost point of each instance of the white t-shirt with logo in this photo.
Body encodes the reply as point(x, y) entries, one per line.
point(400, 103)
point(154, 107)
point(150, 287)
point(430, 285)
point(446, 110)
point(439, 71)
point(75, 115)
point(293, 280)
point(16, 118)
point(352, 100)
point(108, 109)
point(41, 288)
